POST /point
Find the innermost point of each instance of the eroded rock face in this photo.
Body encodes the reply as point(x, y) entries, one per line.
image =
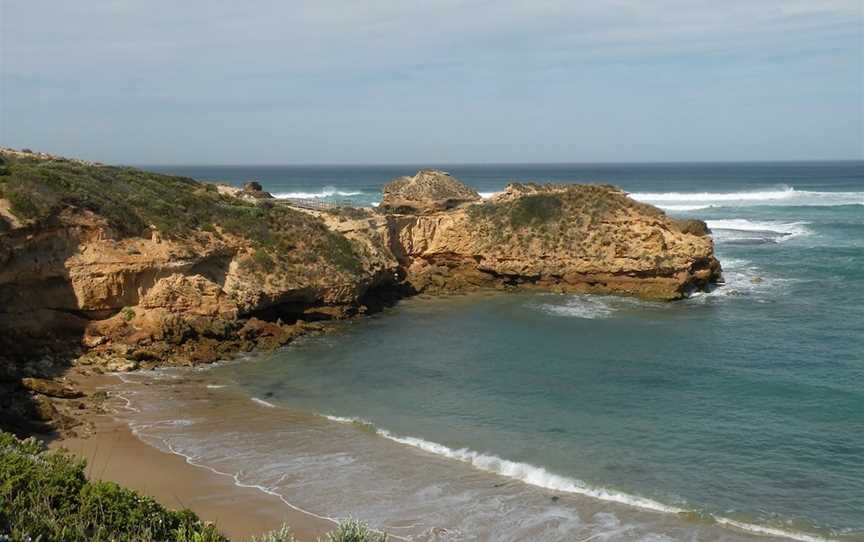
point(568, 238)
point(129, 301)
point(429, 190)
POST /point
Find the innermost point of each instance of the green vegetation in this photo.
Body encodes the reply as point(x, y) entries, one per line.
point(575, 218)
point(46, 496)
point(349, 213)
point(128, 313)
point(352, 530)
point(535, 210)
point(132, 201)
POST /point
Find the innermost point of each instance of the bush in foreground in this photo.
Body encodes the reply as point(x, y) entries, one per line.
point(46, 497)
point(352, 530)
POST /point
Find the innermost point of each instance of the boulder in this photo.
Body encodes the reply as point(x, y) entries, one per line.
point(254, 189)
point(692, 226)
point(51, 388)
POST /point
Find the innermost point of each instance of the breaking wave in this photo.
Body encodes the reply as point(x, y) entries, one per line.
point(751, 231)
point(783, 195)
point(540, 477)
point(326, 192)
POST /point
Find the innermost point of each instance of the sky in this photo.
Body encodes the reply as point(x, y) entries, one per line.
point(434, 81)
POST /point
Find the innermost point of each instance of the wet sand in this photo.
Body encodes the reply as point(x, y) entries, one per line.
point(114, 453)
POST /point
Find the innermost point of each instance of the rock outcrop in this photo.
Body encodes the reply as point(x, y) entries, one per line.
point(119, 268)
point(429, 190)
point(567, 238)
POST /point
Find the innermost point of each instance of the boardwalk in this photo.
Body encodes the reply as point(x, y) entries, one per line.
point(312, 204)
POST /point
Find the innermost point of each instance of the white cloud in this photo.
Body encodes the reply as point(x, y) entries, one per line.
point(315, 35)
point(680, 78)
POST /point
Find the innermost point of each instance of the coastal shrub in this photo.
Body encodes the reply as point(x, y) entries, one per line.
point(535, 210)
point(527, 211)
point(262, 259)
point(22, 203)
point(352, 530)
point(349, 213)
point(283, 534)
point(132, 201)
point(339, 250)
point(45, 495)
point(128, 313)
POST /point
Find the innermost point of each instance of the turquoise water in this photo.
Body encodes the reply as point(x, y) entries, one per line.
point(725, 414)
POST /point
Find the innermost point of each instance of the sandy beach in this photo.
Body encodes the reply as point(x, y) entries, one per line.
point(114, 453)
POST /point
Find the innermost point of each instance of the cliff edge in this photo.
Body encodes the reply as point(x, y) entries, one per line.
point(565, 238)
point(114, 268)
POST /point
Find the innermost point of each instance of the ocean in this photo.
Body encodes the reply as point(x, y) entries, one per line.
point(734, 415)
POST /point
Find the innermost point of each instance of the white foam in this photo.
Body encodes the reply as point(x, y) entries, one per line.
point(340, 419)
point(540, 477)
point(487, 195)
point(685, 207)
point(215, 386)
point(262, 402)
point(326, 192)
point(732, 228)
point(783, 195)
point(579, 306)
point(784, 192)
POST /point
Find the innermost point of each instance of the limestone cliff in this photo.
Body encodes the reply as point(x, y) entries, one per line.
point(119, 268)
point(131, 266)
point(567, 238)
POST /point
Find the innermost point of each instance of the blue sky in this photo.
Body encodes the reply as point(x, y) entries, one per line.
point(385, 81)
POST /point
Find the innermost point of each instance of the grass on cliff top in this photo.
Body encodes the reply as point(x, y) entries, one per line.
point(131, 200)
point(45, 496)
point(585, 203)
point(574, 218)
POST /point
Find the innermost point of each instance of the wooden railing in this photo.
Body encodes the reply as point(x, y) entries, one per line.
point(312, 204)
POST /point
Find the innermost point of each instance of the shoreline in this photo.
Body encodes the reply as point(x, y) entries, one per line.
point(241, 511)
point(114, 453)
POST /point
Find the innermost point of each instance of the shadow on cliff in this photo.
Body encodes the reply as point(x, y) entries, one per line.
point(40, 329)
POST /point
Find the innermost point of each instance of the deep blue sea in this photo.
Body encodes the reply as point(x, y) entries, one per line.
point(734, 415)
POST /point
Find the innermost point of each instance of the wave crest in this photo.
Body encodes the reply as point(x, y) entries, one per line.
point(525, 472)
point(782, 195)
point(540, 477)
point(744, 230)
point(326, 192)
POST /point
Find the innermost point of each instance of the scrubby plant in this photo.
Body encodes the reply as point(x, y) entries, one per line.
point(535, 210)
point(45, 495)
point(133, 201)
point(282, 534)
point(352, 530)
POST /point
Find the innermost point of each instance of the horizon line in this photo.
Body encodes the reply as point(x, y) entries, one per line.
point(556, 163)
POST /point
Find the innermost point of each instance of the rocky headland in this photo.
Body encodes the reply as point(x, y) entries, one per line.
point(107, 268)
